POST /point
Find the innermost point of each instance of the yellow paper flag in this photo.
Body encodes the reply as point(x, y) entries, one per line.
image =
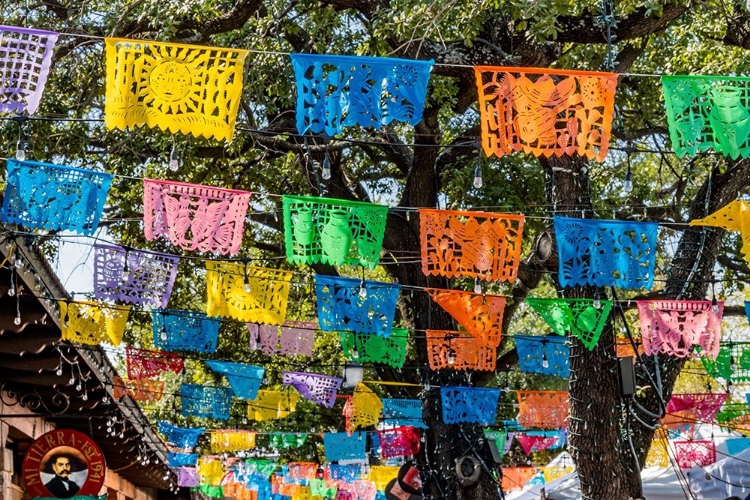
point(733, 217)
point(189, 89)
point(247, 293)
point(92, 323)
point(272, 405)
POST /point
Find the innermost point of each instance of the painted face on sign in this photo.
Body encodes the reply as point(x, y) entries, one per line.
point(62, 466)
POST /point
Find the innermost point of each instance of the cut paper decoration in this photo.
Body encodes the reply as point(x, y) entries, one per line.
point(142, 363)
point(707, 112)
point(91, 323)
point(182, 459)
point(736, 446)
point(458, 351)
point(500, 438)
point(205, 401)
point(543, 409)
point(674, 327)
point(195, 217)
point(340, 446)
point(692, 453)
point(211, 471)
point(732, 362)
point(545, 112)
point(556, 472)
point(399, 442)
point(244, 379)
point(301, 470)
point(25, 61)
point(187, 477)
point(231, 440)
point(531, 444)
point(470, 244)
point(658, 453)
point(367, 348)
point(53, 197)
point(480, 314)
point(548, 355)
point(145, 390)
point(363, 409)
point(272, 405)
point(319, 488)
point(403, 413)
point(284, 440)
point(260, 467)
point(381, 475)
point(733, 217)
point(133, 276)
point(345, 473)
point(334, 92)
point(180, 437)
point(343, 307)
point(606, 252)
point(184, 331)
point(246, 293)
point(579, 317)
point(472, 405)
point(188, 89)
point(514, 478)
point(333, 231)
point(295, 338)
point(625, 349)
point(211, 491)
point(320, 389)
point(687, 409)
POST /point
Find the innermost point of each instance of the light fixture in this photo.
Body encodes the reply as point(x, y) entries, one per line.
point(326, 168)
point(353, 374)
point(174, 159)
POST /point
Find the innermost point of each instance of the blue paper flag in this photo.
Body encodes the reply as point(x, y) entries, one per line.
point(205, 401)
point(341, 446)
point(182, 459)
point(403, 413)
point(244, 379)
point(606, 252)
point(334, 92)
point(180, 437)
point(54, 197)
point(342, 308)
point(469, 405)
point(184, 331)
point(345, 473)
point(736, 446)
point(547, 355)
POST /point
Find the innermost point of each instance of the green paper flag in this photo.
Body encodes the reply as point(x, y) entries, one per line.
point(261, 466)
point(283, 440)
point(367, 348)
point(732, 363)
point(499, 437)
point(580, 317)
point(708, 112)
point(210, 491)
point(318, 488)
point(333, 231)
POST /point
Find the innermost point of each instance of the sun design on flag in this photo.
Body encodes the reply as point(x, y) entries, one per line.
point(172, 77)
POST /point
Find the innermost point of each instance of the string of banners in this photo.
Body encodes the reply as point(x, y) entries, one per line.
point(194, 89)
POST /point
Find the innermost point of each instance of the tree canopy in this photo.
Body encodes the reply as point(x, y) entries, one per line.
point(432, 164)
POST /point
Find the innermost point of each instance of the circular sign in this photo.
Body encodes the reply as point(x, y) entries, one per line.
point(62, 464)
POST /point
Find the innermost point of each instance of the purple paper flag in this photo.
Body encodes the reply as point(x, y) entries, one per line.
point(295, 338)
point(320, 389)
point(25, 59)
point(187, 477)
point(133, 276)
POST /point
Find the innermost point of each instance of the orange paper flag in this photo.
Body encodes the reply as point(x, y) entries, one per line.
point(458, 351)
point(545, 112)
point(481, 315)
point(472, 244)
point(543, 409)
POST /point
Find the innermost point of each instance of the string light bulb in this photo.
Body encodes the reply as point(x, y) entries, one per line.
point(325, 171)
point(21, 150)
point(545, 361)
point(126, 269)
point(451, 356)
point(597, 302)
point(715, 305)
point(627, 186)
point(477, 286)
point(362, 290)
point(478, 177)
point(174, 158)
point(12, 289)
point(17, 320)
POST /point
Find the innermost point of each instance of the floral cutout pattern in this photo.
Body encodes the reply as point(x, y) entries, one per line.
point(543, 409)
point(674, 327)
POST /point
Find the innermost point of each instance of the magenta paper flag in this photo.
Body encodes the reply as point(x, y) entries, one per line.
point(294, 338)
point(195, 217)
point(692, 453)
point(696, 407)
point(674, 327)
point(25, 60)
point(320, 389)
point(534, 443)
